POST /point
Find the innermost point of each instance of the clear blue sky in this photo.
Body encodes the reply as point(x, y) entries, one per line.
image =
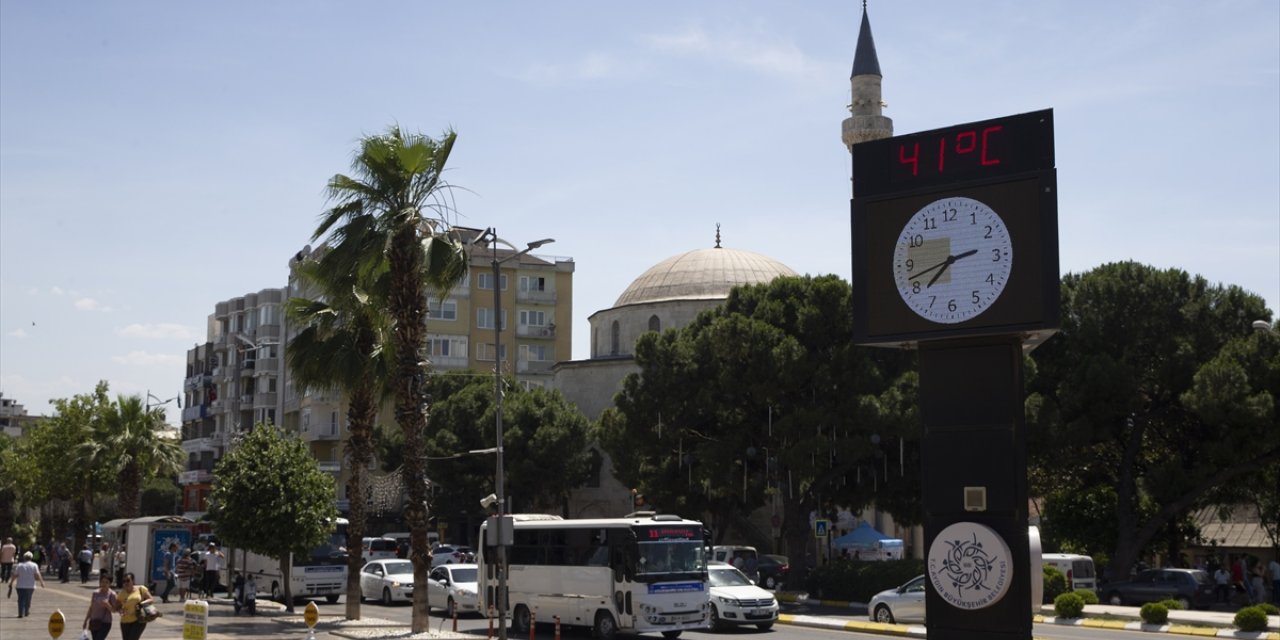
point(157, 157)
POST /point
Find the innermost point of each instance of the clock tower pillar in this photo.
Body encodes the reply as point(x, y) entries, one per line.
point(865, 121)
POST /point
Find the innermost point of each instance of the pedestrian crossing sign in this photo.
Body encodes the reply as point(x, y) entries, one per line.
point(820, 528)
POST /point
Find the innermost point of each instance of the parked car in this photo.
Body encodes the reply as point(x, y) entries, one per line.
point(773, 570)
point(900, 604)
point(451, 554)
point(387, 580)
point(1190, 587)
point(743, 558)
point(736, 601)
point(454, 586)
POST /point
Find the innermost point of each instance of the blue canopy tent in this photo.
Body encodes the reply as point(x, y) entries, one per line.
point(864, 536)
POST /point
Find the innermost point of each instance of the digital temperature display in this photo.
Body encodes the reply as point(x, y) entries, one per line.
point(963, 153)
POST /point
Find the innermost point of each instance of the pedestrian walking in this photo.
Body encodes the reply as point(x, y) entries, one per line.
point(64, 562)
point(188, 573)
point(131, 600)
point(26, 575)
point(1222, 591)
point(8, 554)
point(102, 604)
point(212, 566)
point(85, 558)
point(169, 566)
point(119, 566)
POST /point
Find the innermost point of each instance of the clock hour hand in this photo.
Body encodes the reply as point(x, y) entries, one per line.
point(948, 262)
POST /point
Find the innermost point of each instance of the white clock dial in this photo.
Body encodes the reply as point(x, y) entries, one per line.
point(952, 260)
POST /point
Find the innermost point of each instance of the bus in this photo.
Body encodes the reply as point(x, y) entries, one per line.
point(320, 573)
point(637, 574)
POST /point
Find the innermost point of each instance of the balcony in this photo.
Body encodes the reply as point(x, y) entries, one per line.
point(321, 433)
point(536, 297)
point(246, 401)
point(267, 331)
point(197, 412)
point(533, 366)
point(527, 331)
point(198, 476)
point(265, 400)
point(201, 444)
point(247, 369)
point(330, 466)
point(449, 362)
point(268, 365)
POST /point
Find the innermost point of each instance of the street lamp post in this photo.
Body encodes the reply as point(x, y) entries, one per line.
point(501, 478)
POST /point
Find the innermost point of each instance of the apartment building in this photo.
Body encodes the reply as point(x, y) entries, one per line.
point(239, 377)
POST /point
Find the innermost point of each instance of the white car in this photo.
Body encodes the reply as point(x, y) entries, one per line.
point(453, 587)
point(736, 601)
point(901, 604)
point(387, 580)
point(451, 554)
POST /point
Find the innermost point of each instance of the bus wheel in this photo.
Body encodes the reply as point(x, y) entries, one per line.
point(606, 628)
point(671, 635)
point(331, 598)
point(276, 593)
point(520, 619)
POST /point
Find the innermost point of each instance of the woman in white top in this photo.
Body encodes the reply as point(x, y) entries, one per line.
point(25, 576)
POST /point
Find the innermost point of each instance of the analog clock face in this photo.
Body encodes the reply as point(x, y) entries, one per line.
point(952, 260)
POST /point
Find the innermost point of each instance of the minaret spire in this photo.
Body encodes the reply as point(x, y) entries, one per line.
point(865, 121)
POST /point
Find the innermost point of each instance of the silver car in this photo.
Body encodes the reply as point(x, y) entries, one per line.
point(387, 580)
point(902, 604)
point(453, 586)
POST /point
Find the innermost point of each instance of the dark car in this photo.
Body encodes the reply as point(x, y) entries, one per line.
point(1190, 587)
point(773, 570)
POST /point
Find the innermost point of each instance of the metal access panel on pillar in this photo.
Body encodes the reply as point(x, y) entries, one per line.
point(955, 253)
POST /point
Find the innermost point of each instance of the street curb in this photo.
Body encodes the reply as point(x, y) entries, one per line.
point(1180, 629)
point(900, 630)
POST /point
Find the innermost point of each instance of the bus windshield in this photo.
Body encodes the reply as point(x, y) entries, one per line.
point(666, 550)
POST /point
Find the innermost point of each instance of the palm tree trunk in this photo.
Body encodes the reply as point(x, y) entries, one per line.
point(361, 413)
point(129, 497)
point(407, 305)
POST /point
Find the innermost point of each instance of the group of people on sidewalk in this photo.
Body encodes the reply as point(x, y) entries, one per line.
point(131, 603)
point(1253, 578)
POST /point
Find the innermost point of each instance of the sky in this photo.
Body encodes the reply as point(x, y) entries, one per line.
point(159, 157)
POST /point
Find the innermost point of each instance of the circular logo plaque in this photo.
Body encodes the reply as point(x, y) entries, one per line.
point(969, 565)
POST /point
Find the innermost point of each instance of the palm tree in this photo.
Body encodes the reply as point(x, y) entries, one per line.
point(129, 435)
point(391, 214)
point(342, 346)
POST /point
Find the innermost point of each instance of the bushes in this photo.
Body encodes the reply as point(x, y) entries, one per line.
point(1055, 584)
point(1154, 613)
point(1251, 619)
point(1088, 596)
point(858, 581)
point(1068, 605)
point(1172, 605)
point(1269, 609)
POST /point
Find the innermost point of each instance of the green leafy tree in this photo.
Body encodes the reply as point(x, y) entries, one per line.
point(1157, 386)
point(161, 497)
point(766, 396)
point(269, 497)
point(541, 431)
point(342, 345)
point(128, 439)
point(390, 213)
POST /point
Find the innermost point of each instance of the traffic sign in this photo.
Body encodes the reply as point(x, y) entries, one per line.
point(821, 528)
point(312, 615)
point(57, 622)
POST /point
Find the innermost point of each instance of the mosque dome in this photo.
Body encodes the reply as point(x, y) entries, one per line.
point(702, 274)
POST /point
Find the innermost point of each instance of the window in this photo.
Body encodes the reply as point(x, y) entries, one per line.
point(654, 323)
point(485, 281)
point(437, 310)
point(532, 283)
point(535, 353)
point(484, 318)
point(484, 351)
point(268, 314)
point(529, 385)
point(533, 318)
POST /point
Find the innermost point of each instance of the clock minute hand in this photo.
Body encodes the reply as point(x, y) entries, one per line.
point(949, 261)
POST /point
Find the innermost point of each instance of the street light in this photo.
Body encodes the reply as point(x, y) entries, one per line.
point(501, 479)
point(159, 402)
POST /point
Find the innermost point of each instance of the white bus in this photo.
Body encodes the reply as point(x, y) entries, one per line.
point(320, 573)
point(636, 574)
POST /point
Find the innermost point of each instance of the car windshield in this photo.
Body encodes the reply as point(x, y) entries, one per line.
point(1201, 577)
point(464, 575)
point(727, 577)
point(399, 568)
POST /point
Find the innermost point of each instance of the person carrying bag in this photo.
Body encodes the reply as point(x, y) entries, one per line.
point(136, 607)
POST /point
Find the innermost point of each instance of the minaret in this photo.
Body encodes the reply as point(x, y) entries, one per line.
point(865, 122)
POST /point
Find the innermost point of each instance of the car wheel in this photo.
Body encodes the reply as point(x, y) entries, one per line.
point(883, 614)
point(770, 582)
point(671, 635)
point(765, 626)
point(331, 599)
point(520, 620)
point(606, 628)
point(717, 623)
point(451, 609)
point(1184, 602)
point(386, 596)
point(1114, 599)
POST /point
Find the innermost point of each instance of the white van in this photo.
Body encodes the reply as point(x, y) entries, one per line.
point(375, 548)
point(1077, 568)
point(742, 557)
